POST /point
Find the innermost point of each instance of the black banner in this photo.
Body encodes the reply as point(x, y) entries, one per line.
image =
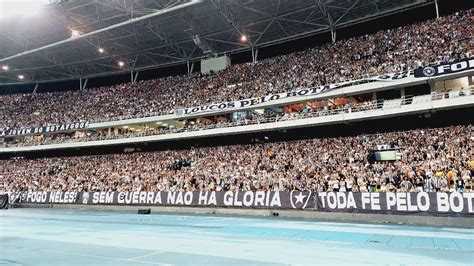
point(3, 201)
point(422, 203)
point(40, 130)
point(443, 69)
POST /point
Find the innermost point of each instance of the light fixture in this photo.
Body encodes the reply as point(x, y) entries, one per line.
point(5, 67)
point(22, 77)
point(243, 38)
point(101, 50)
point(121, 63)
point(75, 33)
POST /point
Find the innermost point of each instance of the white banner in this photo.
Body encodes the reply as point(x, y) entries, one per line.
point(254, 102)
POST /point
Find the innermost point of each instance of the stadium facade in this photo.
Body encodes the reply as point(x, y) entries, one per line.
point(387, 82)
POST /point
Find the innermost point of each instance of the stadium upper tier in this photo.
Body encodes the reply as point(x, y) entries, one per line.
point(408, 47)
point(436, 159)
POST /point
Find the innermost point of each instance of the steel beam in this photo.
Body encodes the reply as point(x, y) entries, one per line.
point(346, 12)
point(36, 88)
point(329, 19)
point(84, 84)
point(190, 66)
point(254, 54)
point(163, 36)
point(231, 18)
point(121, 24)
point(52, 59)
point(224, 34)
point(136, 76)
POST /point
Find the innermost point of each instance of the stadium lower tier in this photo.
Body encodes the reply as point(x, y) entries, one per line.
point(433, 159)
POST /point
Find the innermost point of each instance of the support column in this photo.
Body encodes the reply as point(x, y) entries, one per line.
point(80, 83)
point(333, 35)
point(437, 9)
point(136, 76)
point(402, 96)
point(133, 76)
point(84, 84)
point(254, 54)
point(36, 88)
point(190, 66)
point(351, 101)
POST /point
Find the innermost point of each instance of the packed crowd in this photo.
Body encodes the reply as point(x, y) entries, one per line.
point(197, 124)
point(436, 159)
point(407, 47)
point(308, 109)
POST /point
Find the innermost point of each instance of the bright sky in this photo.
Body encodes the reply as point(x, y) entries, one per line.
point(16, 8)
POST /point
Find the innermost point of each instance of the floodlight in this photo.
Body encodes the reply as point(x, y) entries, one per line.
point(243, 38)
point(5, 67)
point(75, 33)
point(121, 63)
point(22, 77)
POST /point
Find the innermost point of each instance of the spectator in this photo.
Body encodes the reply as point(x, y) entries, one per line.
point(314, 164)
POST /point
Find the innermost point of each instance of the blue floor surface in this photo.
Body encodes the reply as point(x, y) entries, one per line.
point(63, 237)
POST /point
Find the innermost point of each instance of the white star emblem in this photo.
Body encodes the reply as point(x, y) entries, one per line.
point(300, 198)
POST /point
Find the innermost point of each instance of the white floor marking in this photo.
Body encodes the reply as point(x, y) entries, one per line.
point(148, 255)
point(101, 257)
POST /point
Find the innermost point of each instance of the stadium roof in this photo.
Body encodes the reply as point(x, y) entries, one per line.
point(62, 42)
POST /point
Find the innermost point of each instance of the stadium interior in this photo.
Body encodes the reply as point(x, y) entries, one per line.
point(113, 101)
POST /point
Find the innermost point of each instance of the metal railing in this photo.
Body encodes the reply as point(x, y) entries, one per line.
point(127, 117)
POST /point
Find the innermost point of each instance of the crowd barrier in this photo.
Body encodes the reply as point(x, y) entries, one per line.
point(422, 203)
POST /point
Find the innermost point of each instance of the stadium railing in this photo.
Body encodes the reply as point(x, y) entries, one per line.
point(348, 108)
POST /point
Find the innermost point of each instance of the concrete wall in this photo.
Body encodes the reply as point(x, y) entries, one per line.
point(285, 214)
